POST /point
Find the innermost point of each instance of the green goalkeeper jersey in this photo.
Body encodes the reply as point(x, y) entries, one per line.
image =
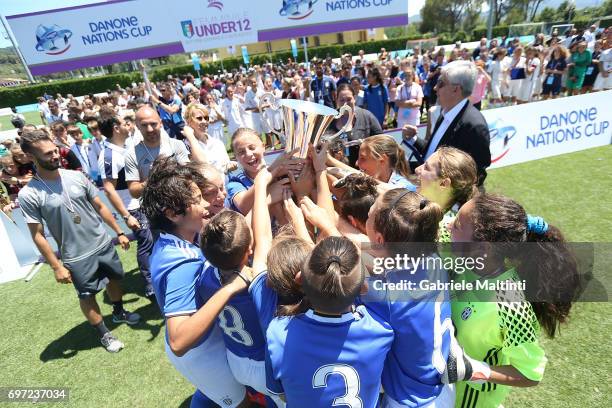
point(496, 327)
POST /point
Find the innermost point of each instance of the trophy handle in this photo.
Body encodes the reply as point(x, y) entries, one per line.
point(349, 123)
point(266, 101)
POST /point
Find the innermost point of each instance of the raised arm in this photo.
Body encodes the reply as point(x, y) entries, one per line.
point(261, 223)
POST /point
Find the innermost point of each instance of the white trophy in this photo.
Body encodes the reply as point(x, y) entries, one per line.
point(304, 122)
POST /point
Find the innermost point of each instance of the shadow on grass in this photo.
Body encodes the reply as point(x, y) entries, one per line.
point(84, 337)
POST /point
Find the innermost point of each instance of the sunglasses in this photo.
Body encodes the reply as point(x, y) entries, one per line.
point(200, 118)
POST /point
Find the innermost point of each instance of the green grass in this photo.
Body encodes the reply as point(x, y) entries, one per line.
point(32, 118)
point(46, 342)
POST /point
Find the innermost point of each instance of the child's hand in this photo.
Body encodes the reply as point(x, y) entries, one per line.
point(319, 158)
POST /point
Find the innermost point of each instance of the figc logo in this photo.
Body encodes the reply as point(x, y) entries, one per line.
point(53, 40)
point(297, 9)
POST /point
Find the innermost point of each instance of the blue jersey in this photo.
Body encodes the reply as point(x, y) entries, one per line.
point(265, 300)
point(422, 323)
point(237, 182)
point(375, 99)
point(238, 320)
point(176, 266)
point(327, 361)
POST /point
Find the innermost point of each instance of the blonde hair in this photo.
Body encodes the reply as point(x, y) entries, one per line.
point(380, 145)
point(191, 108)
point(460, 169)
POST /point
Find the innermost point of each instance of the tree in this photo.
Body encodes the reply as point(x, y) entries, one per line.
point(605, 9)
point(566, 11)
point(449, 15)
point(547, 14)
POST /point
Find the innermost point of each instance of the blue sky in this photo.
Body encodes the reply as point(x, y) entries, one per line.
point(11, 7)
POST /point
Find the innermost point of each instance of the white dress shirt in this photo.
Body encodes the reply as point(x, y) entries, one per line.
point(448, 118)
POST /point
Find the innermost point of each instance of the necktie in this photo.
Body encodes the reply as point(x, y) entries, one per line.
point(437, 125)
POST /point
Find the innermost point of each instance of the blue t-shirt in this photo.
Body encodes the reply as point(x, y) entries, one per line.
point(322, 90)
point(238, 320)
point(237, 182)
point(176, 266)
point(375, 99)
point(422, 323)
point(399, 181)
point(327, 361)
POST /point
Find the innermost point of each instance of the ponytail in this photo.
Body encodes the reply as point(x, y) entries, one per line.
point(401, 164)
point(332, 277)
point(551, 271)
point(380, 145)
point(405, 216)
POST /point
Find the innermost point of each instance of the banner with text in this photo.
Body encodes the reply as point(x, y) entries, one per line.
point(124, 30)
point(549, 128)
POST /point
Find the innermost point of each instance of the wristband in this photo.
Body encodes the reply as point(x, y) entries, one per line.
point(126, 217)
point(120, 234)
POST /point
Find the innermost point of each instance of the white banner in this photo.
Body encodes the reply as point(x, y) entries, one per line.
point(123, 30)
point(542, 129)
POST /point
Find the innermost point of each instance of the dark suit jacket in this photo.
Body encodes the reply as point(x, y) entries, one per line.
point(468, 132)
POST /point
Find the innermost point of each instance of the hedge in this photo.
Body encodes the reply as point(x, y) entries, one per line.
point(24, 95)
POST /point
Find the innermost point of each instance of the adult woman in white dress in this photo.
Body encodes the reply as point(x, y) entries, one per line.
point(215, 119)
point(196, 131)
point(517, 73)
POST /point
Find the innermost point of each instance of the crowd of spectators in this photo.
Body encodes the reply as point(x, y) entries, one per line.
point(385, 92)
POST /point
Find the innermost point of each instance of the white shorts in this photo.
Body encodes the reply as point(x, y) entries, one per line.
point(602, 83)
point(251, 373)
point(446, 399)
point(206, 367)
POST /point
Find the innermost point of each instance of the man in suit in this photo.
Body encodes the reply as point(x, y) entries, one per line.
point(460, 124)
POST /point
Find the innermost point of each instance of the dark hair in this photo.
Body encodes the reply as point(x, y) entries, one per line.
point(226, 239)
point(332, 276)
point(285, 259)
point(550, 271)
point(360, 195)
point(405, 216)
point(375, 72)
point(345, 87)
point(169, 187)
point(106, 123)
point(31, 137)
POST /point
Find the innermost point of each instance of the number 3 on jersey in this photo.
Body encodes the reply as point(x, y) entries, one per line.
point(236, 331)
point(351, 381)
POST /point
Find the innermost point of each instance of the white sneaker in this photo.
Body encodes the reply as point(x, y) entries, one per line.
point(111, 343)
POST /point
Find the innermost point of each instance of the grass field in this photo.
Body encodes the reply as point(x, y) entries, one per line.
point(45, 341)
point(30, 117)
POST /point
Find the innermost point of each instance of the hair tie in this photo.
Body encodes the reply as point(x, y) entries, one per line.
point(332, 259)
point(423, 203)
point(399, 197)
point(536, 224)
